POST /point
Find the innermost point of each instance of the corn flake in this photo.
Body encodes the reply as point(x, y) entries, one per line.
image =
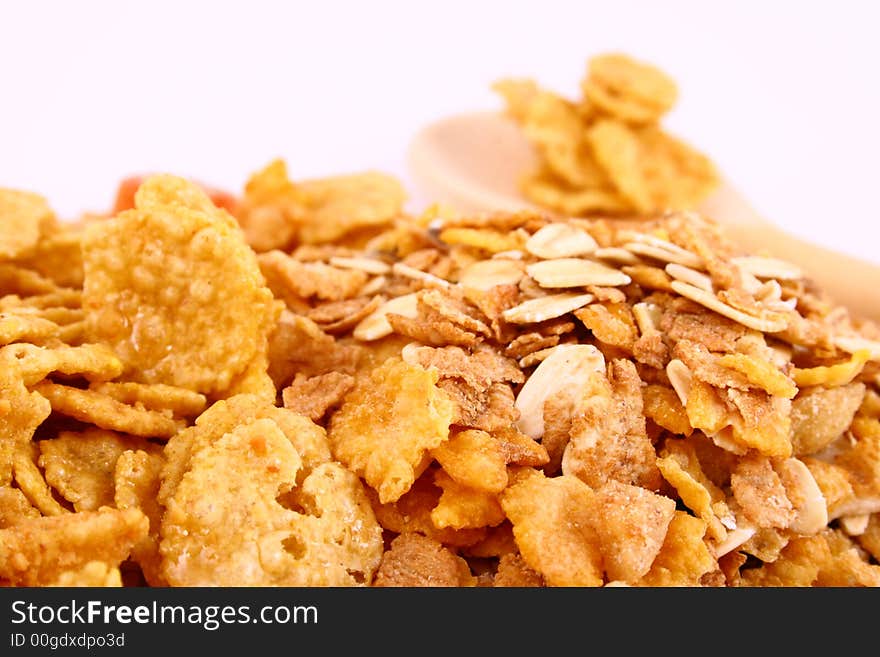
point(80, 465)
point(36, 552)
point(553, 526)
point(387, 424)
point(174, 290)
point(268, 530)
point(464, 507)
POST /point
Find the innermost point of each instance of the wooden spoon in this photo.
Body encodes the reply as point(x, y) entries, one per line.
point(473, 162)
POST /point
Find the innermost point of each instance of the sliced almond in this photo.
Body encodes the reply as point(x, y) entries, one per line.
point(660, 249)
point(770, 291)
point(647, 316)
point(680, 377)
point(486, 274)
point(688, 275)
point(710, 301)
point(375, 325)
point(617, 254)
point(514, 254)
point(543, 308)
point(560, 240)
point(855, 525)
point(417, 274)
point(734, 539)
point(766, 267)
point(853, 343)
point(575, 272)
point(812, 512)
point(369, 265)
point(410, 353)
point(374, 286)
point(568, 366)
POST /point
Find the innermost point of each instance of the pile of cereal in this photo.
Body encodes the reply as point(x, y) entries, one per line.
point(305, 385)
point(607, 152)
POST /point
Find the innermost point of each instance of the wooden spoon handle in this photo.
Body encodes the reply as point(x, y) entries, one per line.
point(850, 281)
point(473, 162)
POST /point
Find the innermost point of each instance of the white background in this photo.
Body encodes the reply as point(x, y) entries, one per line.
point(784, 96)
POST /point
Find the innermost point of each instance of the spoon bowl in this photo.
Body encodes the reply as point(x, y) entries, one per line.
point(474, 161)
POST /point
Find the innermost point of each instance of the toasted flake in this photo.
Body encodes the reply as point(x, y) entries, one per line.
point(295, 281)
point(475, 459)
point(24, 217)
point(480, 367)
point(484, 239)
point(33, 484)
point(414, 560)
point(610, 323)
point(544, 308)
point(560, 240)
point(567, 367)
point(712, 302)
point(92, 574)
point(80, 465)
point(761, 373)
point(21, 412)
point(270, 528)
point(829, 376)
point(514, 572)
point(387, 424)
point(175, 291)
point(26, 328)
point(137, 478)
point(35, 552)
point(95, 362)
point(14, 507)
point(154, 396)
point(663, 406)
point(609, 440)
point(463, 507)
point(684, 557)
point(631, 523)
point(313, 396)
point(105, 412)
point(761, 494)
point(820, 415)
point(575, 272)
point(553, 527)
point(628, 89)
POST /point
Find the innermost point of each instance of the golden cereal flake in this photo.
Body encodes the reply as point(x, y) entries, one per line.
point(265, 529)
point(136, 478)
point(174, 290)
point(388, 423)
point(36, 552)
point(553, 525)
point(80, 465)
point(24, 218)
